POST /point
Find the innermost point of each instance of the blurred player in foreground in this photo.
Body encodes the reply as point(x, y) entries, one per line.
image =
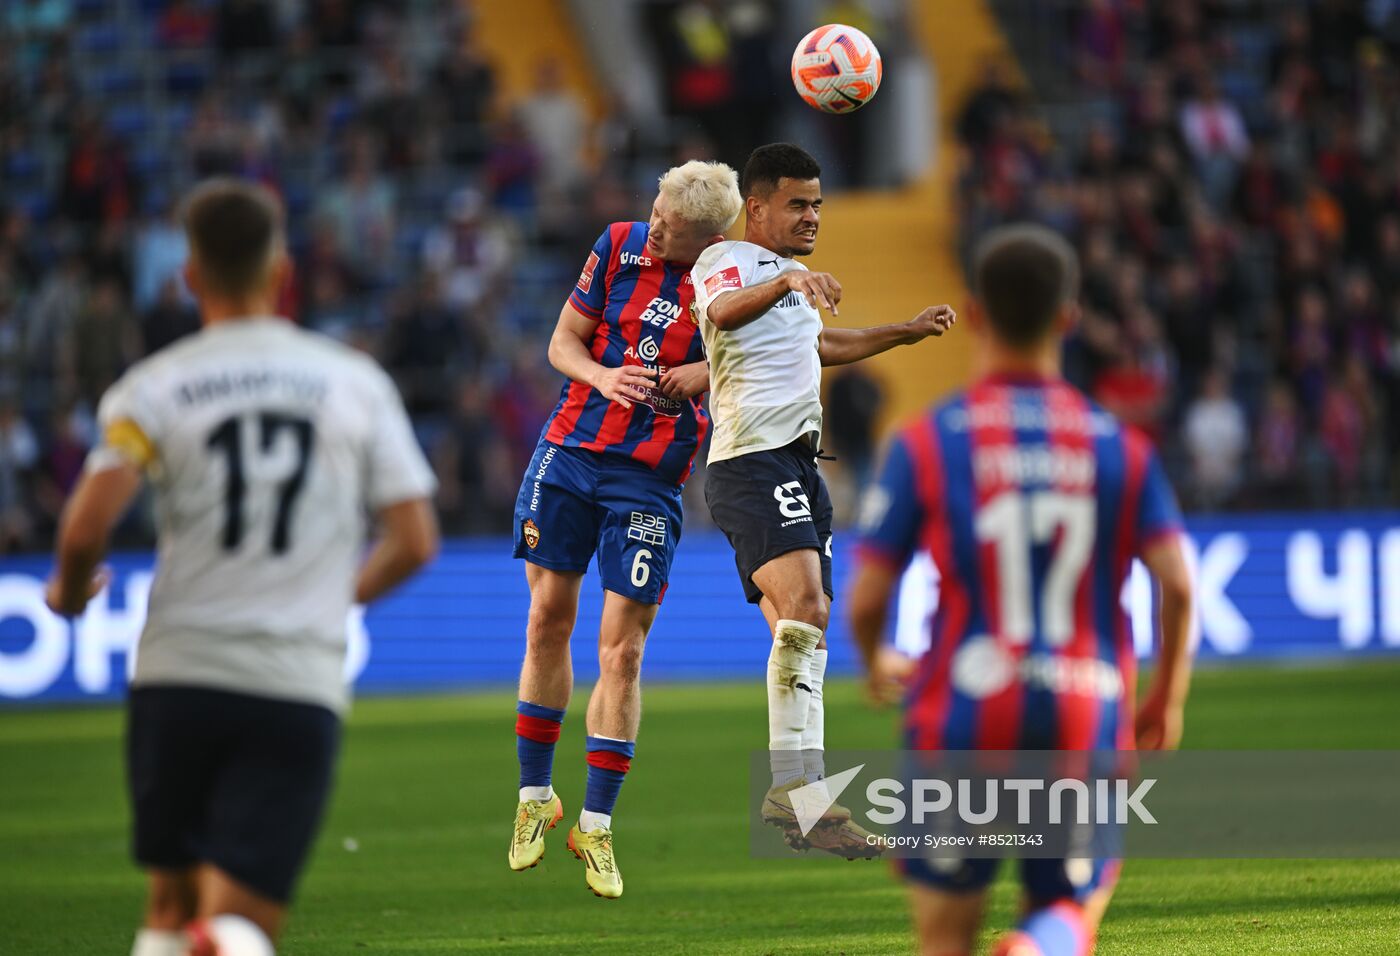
point(606, 480)
point(759, 312)
point(1033, 504)
point(265, 444)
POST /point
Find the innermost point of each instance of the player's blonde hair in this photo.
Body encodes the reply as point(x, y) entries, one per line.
point(704, 194)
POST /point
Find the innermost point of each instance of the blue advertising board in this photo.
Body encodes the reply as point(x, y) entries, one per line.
point(1271, 587)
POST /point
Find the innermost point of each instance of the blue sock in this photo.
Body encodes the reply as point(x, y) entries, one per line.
point(608, 763)
point(536, 732)
point(1055, 930)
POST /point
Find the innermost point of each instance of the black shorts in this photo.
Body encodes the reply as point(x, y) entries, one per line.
point(229, 779)
point(769, 503)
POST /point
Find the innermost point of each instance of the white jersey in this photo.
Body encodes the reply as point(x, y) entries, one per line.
point(267, 446)
point(765, 378)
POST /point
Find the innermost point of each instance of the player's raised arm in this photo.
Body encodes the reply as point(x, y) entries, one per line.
point(1159, 719)
point(569, 354)
point(844, 346)
point(734, 310)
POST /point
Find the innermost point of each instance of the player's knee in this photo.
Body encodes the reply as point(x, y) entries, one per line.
point(809, 607)
point(621, 660)
point(550, 625)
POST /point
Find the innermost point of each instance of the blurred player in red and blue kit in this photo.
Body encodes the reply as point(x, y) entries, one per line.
point(606, 480)
point(1033, 503)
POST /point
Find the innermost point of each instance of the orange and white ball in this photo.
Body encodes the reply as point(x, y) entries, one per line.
point(836, 69)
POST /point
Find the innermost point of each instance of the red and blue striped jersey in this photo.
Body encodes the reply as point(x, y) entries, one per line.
point(1033, 503)
point(642, 305)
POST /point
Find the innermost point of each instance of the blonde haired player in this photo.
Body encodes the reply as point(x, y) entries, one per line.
point(606, 480)
point(267, 446)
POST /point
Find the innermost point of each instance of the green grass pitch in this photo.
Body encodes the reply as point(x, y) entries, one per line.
point(412, 857)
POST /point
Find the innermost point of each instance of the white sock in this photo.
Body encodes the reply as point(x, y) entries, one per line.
point(789, 693)
point(537, 793)
point(814, 734)
point(160, 942)
point(238, 935)
point(588, 820)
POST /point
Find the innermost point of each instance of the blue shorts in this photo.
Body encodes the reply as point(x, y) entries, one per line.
point(1045, 881)
point(574, 503)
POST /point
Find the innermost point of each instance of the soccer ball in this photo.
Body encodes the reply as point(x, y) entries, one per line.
point(836, 69)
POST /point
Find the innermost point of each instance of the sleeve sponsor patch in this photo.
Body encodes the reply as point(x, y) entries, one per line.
point(590, 268)
point(725, 279)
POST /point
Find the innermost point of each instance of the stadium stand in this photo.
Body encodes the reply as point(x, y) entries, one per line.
point(436, 219)
point(1228, 171)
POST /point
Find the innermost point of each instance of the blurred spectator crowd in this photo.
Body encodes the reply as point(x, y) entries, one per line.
point(1229, 169)
point(434, 223)
point(414, 196)
point(1230, 173)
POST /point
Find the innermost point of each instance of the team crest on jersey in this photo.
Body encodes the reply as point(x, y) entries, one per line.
point(585, 282)
point(531, 532)
point(727, 279)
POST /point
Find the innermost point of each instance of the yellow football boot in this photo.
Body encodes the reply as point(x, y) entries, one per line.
point(533, 818)
point(595, 849)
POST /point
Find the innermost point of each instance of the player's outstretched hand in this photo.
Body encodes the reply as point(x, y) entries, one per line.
point(889, 675)
point(625, 384)
point(70, 606)
point(1159, 723)
point(821, 288)
point(935, 320)
point(686, 381)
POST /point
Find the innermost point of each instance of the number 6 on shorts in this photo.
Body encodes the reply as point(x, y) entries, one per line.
point(641, 571)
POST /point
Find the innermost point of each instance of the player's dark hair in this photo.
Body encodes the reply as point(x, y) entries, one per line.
point(233, 228)
point(1023, 275)
point(770, 163)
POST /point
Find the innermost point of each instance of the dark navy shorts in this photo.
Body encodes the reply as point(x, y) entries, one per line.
point(769, 503)
point(233, 780)
point(574, 503)
point(1045, 881)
